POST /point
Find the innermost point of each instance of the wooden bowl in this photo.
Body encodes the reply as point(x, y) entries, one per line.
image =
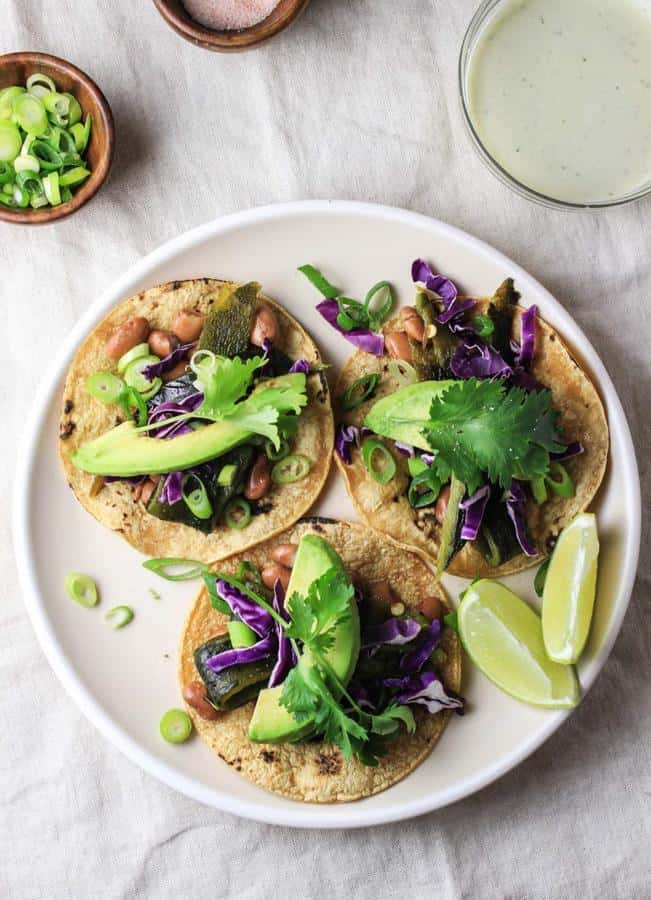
point(176, 16)
point(15, 68)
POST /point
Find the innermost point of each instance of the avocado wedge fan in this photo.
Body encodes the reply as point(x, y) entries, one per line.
point(196, 420)
point(333, 688)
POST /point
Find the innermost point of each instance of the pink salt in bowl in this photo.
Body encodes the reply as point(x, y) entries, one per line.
point(233, 13)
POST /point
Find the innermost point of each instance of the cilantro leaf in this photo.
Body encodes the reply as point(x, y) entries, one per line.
point(479, 426)
point(326, 606)
point(227, 383)
point(298, 696)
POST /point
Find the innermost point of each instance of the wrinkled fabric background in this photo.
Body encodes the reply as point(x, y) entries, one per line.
point(358, 100)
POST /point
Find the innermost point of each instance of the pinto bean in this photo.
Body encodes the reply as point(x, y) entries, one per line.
point(127, 335)
point(431, 608)
point(274, 572)
point(161, 343)
point(413, 323)
point(176, 371)
point(147, 490)
point(285, 554)
point(442, 504)
point(265, 325)
point(259, 480)
point(397, 345)
point(194, 695)
point(188, 325)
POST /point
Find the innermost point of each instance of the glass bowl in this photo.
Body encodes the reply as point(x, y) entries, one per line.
point(481, 19)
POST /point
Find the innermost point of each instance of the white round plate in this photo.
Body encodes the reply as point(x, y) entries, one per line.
point(125, 680)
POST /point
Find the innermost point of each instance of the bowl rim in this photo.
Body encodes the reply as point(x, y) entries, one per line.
point(227, 41)
point(477, 22)
point(351, 815)
point(87, 191)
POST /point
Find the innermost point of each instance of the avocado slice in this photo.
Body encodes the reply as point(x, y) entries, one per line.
point(402, 415)
point(271, 722)
point(125, 450)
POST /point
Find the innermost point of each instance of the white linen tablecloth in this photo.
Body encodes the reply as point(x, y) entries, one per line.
point(358, 100)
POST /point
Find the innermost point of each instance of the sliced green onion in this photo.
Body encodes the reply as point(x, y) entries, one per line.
point(7, 97)
point(74, 110)
point(294, 467)
point(49, 158)
point(134, 377)
point(6, 173)
point(483, 325)
point(424, 489)
point(65, 142)
point(29, 113)
point(175, 726)
point(196, 499)
point(21, 196)
point(5, 200)
point(378, 304)
point(105, 386)
point(403, 372)
point(130, 356)
point(540, 577)
point(51, 188)
point(57, 104)
point(241, 635)
point(276, 455)
point(26, 163)
point(352, 314)
point(38, 78)
point(378, 460)
point(10, 142)
point(82, 589)
point(237, 513)
point(27, 143)
point(119, 616)
point(133, 404)
point(81, 134)
point(74, 176)
point(359, 391)
point(539, 489)
point(559, 480)
point(39, 200)
point(191, 568)
point(66, 194)
point(227, 475)
point(439, 657)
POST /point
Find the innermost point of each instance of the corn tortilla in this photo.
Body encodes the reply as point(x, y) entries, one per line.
point(314, 771)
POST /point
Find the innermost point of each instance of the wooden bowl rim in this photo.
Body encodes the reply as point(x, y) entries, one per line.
point(98, 176)
point(227, 41)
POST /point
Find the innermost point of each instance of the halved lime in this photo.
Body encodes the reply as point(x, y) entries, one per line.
point(503, 637)
point(570, 585)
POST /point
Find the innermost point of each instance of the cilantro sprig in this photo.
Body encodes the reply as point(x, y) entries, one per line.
point(225, 383)
point(479, 426)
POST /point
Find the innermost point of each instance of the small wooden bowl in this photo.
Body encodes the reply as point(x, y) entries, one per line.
point(15, 68)
point(176, 16)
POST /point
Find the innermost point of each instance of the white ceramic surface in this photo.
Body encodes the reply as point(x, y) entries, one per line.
point(124, 680)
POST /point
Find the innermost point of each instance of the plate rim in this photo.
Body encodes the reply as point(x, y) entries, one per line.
point(352, 815)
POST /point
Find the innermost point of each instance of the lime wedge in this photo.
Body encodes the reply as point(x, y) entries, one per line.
point(503, 637)
point(568, 597)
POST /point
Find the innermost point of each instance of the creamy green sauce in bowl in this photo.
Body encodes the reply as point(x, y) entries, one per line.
point(559, 95)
